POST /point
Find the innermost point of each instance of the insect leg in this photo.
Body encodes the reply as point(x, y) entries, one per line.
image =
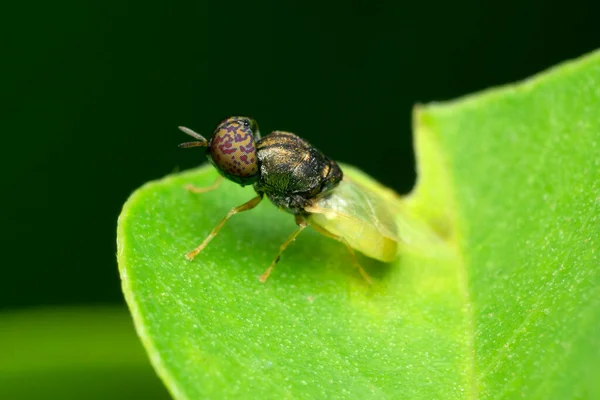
point(215, 185)
point(301, 225)
point(244, 207)
point(357, 265)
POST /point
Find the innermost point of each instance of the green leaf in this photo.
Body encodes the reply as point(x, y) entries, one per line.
point(505, 304)
point(73, 353)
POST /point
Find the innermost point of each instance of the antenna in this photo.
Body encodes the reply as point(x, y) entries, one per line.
point(202, 142)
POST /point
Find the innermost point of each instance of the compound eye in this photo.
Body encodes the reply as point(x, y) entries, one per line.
point(232, 151)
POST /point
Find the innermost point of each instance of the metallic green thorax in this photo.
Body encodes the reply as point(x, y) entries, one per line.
point(292, 172)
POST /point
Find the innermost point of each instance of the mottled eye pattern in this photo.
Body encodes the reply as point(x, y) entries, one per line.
point(232, 148)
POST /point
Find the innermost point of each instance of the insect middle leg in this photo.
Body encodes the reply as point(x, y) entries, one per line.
point(249, 205)
point(301, 222)
point(357, 265)
point(205, 189)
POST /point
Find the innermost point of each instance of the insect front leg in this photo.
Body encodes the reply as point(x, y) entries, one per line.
point(214, 186)
point(301, 222)
point(244, 207)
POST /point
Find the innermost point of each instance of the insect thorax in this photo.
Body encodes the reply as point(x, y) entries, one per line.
point(292, 172)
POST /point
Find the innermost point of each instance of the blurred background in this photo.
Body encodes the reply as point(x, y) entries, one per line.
point(93, 92)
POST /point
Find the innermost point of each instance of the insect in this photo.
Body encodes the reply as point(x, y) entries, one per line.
point(301, 180)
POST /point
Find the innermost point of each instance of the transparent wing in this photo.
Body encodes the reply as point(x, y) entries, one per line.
point(360, 216)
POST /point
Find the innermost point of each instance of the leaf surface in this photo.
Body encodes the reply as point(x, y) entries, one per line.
point(500, 301)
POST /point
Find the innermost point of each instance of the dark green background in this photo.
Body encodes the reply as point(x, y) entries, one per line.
point(93, 92)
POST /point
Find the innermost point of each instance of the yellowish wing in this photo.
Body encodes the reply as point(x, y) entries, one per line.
point(361, 217)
